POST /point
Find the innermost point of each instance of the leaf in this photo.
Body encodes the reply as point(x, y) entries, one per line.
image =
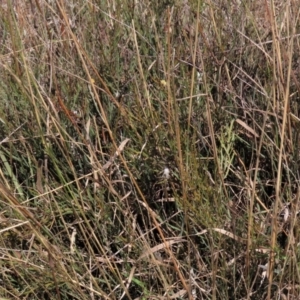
point(248, 128)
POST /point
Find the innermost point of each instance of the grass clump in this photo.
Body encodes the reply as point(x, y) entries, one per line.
point(149, 150)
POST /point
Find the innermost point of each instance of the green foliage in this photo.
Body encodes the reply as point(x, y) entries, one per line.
point(149, 150)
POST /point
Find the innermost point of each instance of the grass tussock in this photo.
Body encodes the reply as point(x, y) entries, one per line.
point(149, 149)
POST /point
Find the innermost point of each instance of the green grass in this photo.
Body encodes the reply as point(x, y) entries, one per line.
point(149, 150)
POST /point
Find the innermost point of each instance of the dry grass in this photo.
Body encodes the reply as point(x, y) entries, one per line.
point(149, 150)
